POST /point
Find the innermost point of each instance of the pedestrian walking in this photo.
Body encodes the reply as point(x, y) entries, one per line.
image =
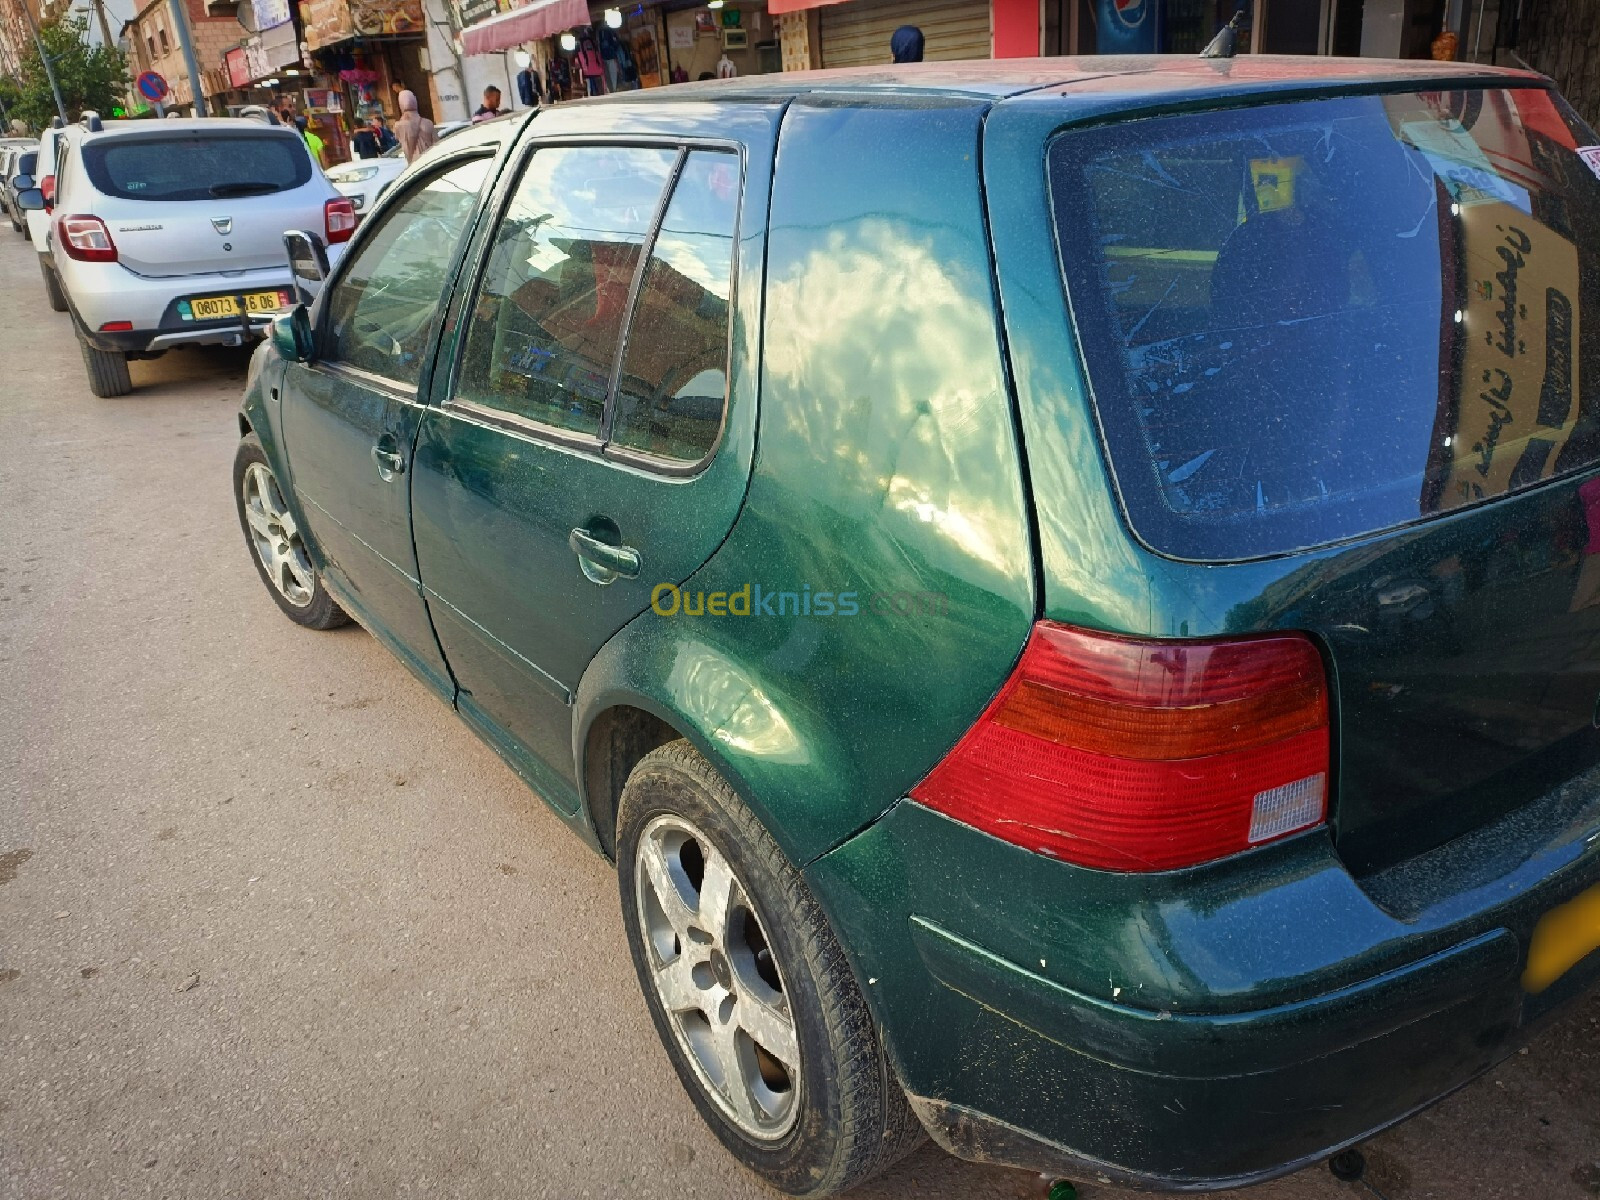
point(490, 108)
point(313, 142)
point(413, 129)
point(906, 44)
point(590, 68)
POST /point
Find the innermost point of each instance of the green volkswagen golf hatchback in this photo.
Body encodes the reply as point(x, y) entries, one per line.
point(1070, 590)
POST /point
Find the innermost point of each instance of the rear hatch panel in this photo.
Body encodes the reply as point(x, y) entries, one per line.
point(230, 216)
point(1374, 416)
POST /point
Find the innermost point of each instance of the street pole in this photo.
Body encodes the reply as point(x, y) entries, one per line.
point(180, 20)
point(44, 57)
point(105, 25)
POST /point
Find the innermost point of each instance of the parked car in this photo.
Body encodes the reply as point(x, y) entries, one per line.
point(39, 215)
point(170, 233)
point(16, 160)
point(364, 180)
point(1043, 741)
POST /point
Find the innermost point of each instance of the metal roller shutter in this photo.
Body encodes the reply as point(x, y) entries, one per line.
point(856, 34)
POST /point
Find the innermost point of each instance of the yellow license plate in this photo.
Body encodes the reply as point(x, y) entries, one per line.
point(1563, 937)
point(211, 308)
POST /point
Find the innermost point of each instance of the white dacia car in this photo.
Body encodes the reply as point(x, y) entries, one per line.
point(168, 233)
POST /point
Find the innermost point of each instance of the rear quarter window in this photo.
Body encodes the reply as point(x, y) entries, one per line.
point(1307, 322)
point(197, 166)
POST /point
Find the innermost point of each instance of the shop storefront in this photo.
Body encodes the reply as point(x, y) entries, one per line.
point(857, 34)
point(1185, 26)
point(709, 41)
point(578, 51)
point(366, 52)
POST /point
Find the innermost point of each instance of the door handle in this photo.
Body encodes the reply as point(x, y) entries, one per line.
point(389, 463)
point(601, 562)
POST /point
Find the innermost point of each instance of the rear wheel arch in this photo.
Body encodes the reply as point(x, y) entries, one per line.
point(615, 740)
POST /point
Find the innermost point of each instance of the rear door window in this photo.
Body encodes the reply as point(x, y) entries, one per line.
point(211, 166)
point(674, 381)
point(603, 310)
point(549, 313)
point(1306, 322)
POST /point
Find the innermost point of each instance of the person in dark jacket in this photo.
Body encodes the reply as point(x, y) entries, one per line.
point(906, 44)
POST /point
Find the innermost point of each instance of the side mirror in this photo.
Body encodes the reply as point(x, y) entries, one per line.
point(308, 263)
point(22, 183)
point(28, 164)
point(291, 335)
point(31, 200)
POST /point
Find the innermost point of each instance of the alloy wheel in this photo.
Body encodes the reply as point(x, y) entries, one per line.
point(276, 537)
point(715, 975)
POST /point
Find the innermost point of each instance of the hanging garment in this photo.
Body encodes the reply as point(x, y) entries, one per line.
point(528, 87)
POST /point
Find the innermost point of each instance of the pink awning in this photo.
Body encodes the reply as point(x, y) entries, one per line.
point(541, 19)
point(777, 7)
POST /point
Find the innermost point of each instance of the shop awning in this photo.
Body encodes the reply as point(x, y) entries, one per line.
point(541, 19)
point(777, 7)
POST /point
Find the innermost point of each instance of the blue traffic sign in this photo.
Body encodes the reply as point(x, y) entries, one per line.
point(151, 86)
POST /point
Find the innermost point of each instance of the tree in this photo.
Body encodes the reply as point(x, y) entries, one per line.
point(90, 77)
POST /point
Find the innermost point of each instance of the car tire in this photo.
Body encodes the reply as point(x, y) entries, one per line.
point(276, 545)
point(766, 959)
point(107, 371)
point(16, 226)
point(52, 288)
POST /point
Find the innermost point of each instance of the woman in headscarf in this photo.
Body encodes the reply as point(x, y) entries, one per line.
point(906, 44)
point(413, 129)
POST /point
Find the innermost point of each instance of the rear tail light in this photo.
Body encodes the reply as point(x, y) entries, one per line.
point(86, 239)
point(1144, 755)
point(339, 217)
point(117, 327)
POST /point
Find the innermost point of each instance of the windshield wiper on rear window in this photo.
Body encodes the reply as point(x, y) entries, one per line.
point(244, 189)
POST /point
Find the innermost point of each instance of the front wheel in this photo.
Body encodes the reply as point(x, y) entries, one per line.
point(276, 544)
point(749, 990)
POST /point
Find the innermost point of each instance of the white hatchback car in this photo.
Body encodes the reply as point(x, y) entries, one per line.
point(365, 180)
point(169, 233)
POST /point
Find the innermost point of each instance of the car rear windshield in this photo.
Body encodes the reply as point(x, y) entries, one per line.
point(1306, 322)
point(208, 166)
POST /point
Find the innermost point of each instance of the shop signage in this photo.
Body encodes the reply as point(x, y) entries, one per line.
point(326, 22)
point(270, 13)
point(256, 61)
point(473, 11)
point(327, 100)
point(330, 21)
point(238, 67)
point(376, 17)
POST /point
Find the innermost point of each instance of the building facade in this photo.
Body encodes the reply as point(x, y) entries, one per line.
point(16, 35)
point(152, 44)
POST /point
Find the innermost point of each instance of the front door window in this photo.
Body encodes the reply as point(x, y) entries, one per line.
point(380, 314)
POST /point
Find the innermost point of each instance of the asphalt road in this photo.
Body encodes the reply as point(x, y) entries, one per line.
point(274, 923)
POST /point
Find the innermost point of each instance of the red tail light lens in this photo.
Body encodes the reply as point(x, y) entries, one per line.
point(1144, 755)
point(47, 186)
point(339, 217)
point(86, 239)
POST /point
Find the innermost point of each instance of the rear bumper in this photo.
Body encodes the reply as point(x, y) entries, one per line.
point(102, 293)
point(1200, 1029)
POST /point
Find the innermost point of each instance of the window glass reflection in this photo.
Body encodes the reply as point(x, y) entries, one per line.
point(544, 327)
point(674, 382)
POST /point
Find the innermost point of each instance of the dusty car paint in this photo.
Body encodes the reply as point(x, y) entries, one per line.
point(909, 418)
